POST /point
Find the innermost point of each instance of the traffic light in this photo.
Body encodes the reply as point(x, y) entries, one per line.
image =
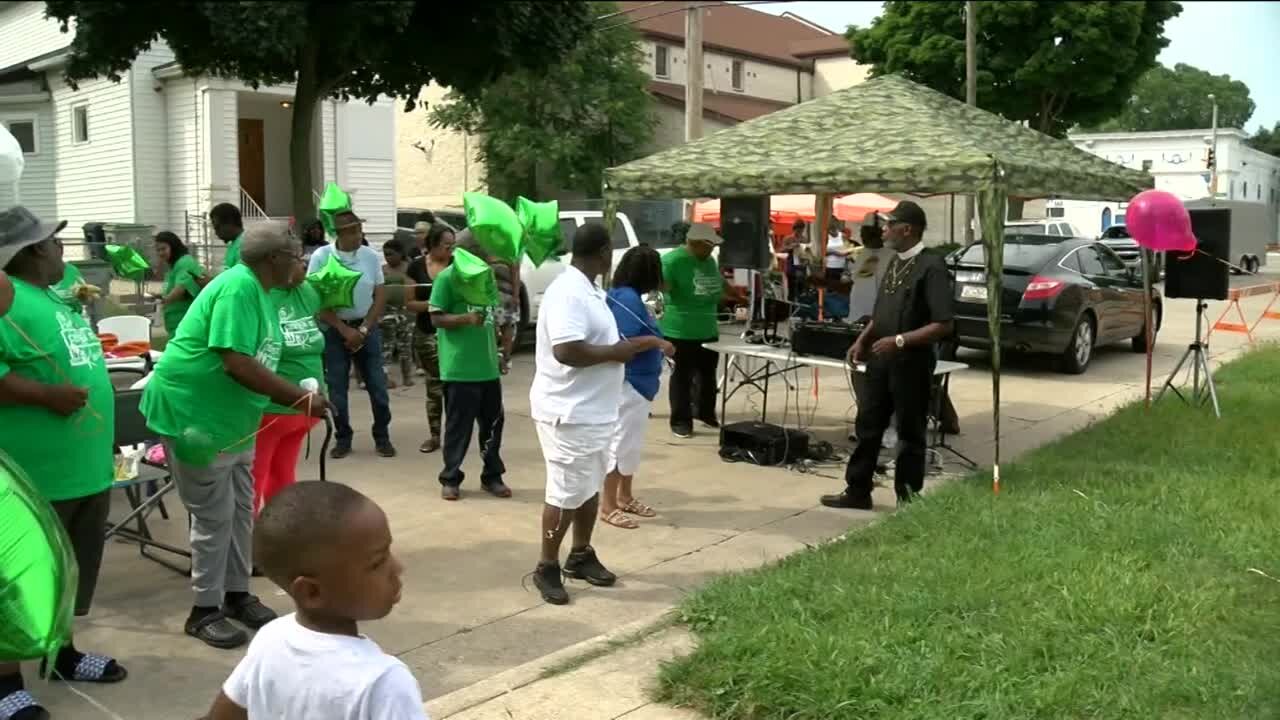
point(1210, 160)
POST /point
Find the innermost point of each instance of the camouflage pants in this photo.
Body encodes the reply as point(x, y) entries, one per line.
point(424, 345)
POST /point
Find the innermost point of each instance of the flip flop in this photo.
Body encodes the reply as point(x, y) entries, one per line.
point(635, 507)
point(619, 519)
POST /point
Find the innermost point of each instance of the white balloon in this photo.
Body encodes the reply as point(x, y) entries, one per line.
point(11, 159)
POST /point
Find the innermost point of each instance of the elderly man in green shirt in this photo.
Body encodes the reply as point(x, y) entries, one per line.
point(205, 399)
point(57, 414)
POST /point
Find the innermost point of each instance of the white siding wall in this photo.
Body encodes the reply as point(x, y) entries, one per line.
point(182, 138)
point(760, 79)
point(150, 142)
point(836, 73)
point(95, 178)
point(26, 34)
point(328, 143)
point(37, 190)
point(366, 146)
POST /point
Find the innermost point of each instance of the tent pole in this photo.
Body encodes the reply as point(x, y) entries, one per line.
point(970, 92)
point(994, 198)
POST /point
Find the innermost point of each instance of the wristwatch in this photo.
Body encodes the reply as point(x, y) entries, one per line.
point(365, 332)
point(900, 341)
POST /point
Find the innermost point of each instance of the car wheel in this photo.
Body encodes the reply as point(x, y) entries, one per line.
point(1080, 350)
point(1140, 340)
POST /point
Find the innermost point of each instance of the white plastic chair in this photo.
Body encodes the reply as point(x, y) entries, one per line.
point(127, 328)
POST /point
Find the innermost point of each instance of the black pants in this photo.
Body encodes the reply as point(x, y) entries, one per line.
point(695, 366)
point(85, 520)
point(467, 404)
point(897, 387)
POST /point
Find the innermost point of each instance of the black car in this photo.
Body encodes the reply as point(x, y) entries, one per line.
point(1061, 296)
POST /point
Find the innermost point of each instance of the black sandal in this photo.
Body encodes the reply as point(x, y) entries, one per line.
point(91, 668)
point(20, 701)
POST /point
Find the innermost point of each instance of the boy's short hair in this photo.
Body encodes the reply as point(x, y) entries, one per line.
point(301, 522)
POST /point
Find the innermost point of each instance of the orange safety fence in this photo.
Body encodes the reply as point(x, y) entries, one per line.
point(1244, 327)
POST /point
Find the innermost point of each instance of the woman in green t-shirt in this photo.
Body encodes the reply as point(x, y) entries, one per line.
point(283, 428)
point(57, 412)
point(183, 279)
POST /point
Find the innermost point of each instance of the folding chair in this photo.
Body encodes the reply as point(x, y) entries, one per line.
point(146, 491)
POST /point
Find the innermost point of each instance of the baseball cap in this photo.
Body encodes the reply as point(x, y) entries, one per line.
point(909, 213)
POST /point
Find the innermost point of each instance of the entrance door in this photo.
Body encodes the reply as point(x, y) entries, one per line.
point(253, 174)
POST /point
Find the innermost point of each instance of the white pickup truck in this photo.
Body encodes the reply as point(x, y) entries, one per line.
point(534, 281)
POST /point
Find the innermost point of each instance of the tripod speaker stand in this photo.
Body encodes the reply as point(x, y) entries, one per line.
point(1197, 353)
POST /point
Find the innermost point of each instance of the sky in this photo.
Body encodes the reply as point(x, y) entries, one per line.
point(1240, 39)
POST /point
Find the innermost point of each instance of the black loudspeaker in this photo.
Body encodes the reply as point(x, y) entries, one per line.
point(1202, 275)
point(744, 225)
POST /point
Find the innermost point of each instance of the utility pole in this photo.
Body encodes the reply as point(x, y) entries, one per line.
point(692, 81)
point(693, 71)
point(970, 93)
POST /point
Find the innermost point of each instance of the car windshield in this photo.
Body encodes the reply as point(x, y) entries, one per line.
point(1025, 254)
point(619, 235)
point(1115, 232)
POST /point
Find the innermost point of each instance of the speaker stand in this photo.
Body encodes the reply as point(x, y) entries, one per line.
point(1197, 353)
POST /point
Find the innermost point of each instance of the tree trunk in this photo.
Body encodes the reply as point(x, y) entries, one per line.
point(306, 97)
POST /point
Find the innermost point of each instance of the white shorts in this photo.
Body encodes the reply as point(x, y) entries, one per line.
point(628, 436)
point(576, 457)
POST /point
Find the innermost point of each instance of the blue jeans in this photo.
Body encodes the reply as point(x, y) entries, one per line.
point(337, 374)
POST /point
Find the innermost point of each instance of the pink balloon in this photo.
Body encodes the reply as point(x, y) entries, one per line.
point(1159, 221)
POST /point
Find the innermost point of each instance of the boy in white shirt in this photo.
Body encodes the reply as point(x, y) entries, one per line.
point(329, 548)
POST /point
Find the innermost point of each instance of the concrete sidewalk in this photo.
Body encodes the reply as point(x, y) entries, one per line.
point(467, 616)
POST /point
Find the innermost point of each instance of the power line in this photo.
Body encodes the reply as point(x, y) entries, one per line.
point(633, 21)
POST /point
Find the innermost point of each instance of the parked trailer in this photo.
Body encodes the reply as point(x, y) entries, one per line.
point(1254, 226)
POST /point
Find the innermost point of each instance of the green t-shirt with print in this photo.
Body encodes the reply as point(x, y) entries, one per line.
point(65, 289)
point(190, 390)
point(691, 296)
point(184, 272)
point(66, 457)
point(467, 354)
point(232, 258)
point(302, 356)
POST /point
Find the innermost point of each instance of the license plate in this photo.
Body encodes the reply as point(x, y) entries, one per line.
point(977, 293)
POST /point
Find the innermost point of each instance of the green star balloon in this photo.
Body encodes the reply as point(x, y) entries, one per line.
point(127, 262)
point(475, 279)
point(335, 283)
point(541, 221)
point(38, 573)
point(494, 225)
point(333, 201)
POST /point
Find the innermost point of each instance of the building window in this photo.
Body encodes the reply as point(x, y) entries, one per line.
point(1146, 165)
point(1259, 191)
point(1056, 212)
point(661, 61)
point(24, 131)
point(737, 73)
point(1244, 190)
point(80, 124)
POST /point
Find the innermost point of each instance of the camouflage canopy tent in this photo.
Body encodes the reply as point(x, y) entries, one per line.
point(887, 135)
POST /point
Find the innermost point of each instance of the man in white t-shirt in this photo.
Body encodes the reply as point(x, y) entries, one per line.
point(574, 400)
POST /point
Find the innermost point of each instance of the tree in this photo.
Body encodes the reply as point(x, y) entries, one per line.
point(1053, 65)
point(1267, 141)
point(1177, 99)
point(569, 122)
point(348, 50)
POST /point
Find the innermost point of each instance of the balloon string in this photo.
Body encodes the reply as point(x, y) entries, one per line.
point(304, 399)
point(1228, 263)
point(48, 357)
point(84, 696)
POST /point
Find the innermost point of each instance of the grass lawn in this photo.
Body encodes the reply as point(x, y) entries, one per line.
point(1111, 578)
